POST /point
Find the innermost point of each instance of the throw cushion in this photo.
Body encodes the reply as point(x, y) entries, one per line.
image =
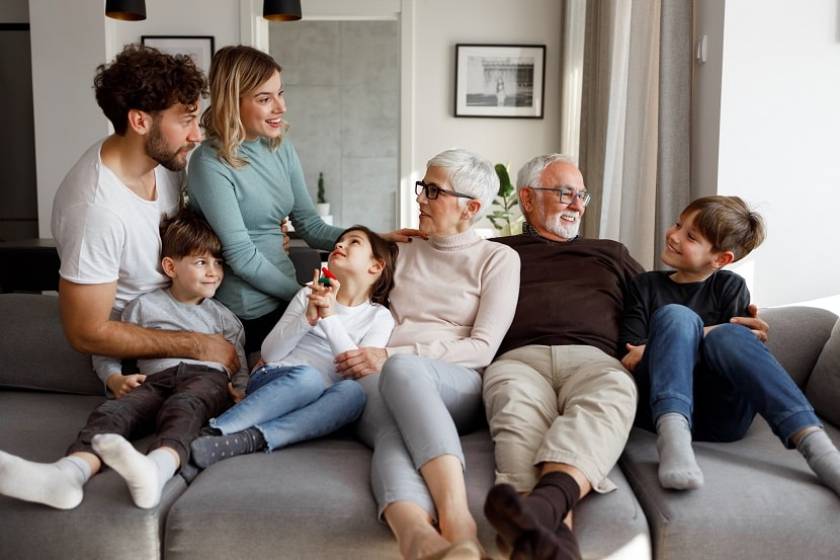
point(824, 385)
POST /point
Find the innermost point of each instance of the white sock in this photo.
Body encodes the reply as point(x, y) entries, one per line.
point(142, 473)
point(822, 457)
point(166, 465)
point(678, 468)
point(58, 484)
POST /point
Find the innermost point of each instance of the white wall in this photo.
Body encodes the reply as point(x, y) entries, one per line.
point(14, 11)
point(705, 106)
point(439, 25)
point(779, 148)
point(68, 41)
point(219, 18)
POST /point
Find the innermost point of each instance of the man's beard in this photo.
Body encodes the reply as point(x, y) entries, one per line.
point(558, 227)
point(157, 149)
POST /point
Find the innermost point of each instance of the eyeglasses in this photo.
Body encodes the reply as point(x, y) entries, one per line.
point(567, 194)
point(432, 191)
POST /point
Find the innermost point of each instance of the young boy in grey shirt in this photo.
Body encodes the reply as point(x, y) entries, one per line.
point(174, 396)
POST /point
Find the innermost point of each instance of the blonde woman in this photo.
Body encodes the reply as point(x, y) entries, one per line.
point(245, 178)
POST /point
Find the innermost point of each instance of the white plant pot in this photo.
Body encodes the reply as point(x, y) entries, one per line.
point(323, 208)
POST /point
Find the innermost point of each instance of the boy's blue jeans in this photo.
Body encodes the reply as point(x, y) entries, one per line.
point(291, 404)
point(718, 382)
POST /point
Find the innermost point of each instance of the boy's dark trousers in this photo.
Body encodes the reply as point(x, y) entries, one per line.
point(173, 404)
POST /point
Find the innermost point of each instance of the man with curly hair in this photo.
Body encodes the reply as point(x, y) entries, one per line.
point(108, 209)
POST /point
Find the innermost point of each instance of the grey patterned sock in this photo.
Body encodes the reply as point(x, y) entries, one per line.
point(207, 450)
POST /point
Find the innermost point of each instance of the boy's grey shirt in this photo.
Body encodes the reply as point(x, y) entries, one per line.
point(159, 310)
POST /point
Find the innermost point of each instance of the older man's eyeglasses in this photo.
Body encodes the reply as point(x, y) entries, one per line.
point(432, 191)
point(567, 194)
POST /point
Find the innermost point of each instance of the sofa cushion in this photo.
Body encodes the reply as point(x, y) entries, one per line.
point(759, 500)
point(313, 500)
point(39, 427)
point(824, 384)
point(797, 334)
point(36, 355)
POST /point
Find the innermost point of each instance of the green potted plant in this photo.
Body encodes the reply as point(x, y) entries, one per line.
point(323, 206)
point(505, 216)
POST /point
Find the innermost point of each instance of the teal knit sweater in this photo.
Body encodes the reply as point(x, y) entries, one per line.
point(245, 207)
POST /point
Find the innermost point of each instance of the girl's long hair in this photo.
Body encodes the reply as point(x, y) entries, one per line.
point(385, 251)
point(234, 73)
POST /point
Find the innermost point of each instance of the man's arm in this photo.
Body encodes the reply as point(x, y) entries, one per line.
point(85, 314)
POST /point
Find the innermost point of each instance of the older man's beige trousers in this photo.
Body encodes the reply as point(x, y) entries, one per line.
point(560, 404)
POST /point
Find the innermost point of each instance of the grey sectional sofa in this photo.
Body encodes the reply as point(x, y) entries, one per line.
point(313, 500)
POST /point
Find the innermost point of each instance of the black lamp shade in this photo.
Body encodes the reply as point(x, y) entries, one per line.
point(128, 10)
point(281, 10)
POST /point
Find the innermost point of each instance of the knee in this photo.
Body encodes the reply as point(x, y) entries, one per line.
point(726, 341)
point(675, 315)
point(307, 380)
point(399, 373)
point(352, 393)
point(614, 388)
point(187, 401)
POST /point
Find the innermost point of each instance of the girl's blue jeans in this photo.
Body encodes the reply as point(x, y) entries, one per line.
point(718, 382)
point(292, 404)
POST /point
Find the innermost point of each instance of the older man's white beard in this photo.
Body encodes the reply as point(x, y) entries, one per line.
point(558, 227)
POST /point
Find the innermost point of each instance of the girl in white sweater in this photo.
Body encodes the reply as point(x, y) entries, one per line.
point(297, 394)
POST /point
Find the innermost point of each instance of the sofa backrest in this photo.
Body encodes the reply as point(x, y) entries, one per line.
point(824, 384)
point(797, 336)
point(34, 354)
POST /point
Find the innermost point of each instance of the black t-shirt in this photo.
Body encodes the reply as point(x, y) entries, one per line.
point(570, 292)
point(716, 300)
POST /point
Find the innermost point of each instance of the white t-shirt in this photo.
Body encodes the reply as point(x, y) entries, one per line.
point(294, 342)
point(105, 232)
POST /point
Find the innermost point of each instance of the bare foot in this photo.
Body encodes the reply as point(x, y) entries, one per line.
point(425, 543)
point(459, 527)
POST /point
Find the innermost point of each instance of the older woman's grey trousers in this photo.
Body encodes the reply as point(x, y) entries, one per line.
point(415, 409)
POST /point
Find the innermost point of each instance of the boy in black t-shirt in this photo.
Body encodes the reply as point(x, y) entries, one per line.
point(699, 374)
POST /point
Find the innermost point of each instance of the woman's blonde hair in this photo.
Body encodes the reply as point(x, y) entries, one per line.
point(235, 72)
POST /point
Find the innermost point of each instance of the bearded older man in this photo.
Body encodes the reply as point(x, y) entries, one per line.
point(559, 403)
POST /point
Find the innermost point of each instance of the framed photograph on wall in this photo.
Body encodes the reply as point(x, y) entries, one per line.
point(199, 47)
point(500, 81)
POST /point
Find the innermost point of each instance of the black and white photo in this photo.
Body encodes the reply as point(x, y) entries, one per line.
point(499, 80)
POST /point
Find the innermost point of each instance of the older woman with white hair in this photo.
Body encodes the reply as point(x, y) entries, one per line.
point(454, 298)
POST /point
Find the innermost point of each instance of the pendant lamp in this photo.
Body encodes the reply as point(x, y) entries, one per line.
point(281, 10)
point(127, 10)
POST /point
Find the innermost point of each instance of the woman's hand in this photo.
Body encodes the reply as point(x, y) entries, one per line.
point(284, 227)
point(403, 235)
point(360, 362)
point(633, 357)
point(756, 325)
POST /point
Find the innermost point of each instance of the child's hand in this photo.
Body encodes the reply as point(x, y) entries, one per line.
point(236, 394)
point(121, 385)
point(324, 298)
point(311, 309)
point(633, 357)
